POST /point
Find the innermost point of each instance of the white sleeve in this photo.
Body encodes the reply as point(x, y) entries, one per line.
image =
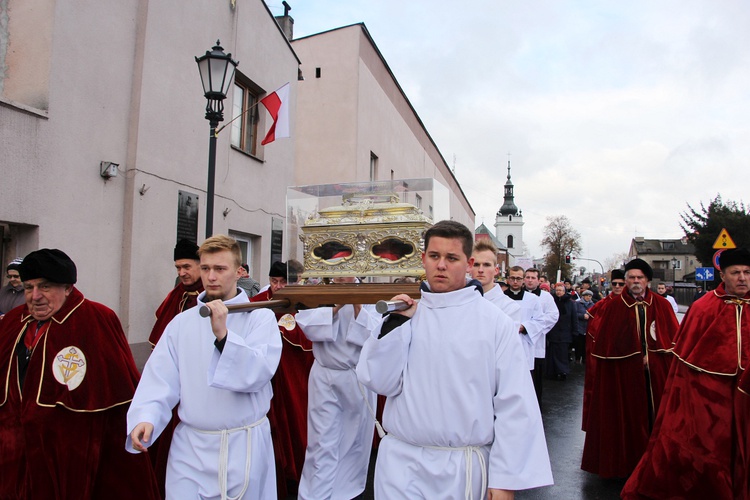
point(249, 359)
point(359, 329)
point(535, 326)
point(158, 390)
point(674, 304)
point(382, 361)
point(549, 311)
point(518, 456)
point(317, 324)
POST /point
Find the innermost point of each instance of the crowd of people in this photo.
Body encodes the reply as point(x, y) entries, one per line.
point(259, 404)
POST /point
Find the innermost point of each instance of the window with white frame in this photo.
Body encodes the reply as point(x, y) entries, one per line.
point(248, 244)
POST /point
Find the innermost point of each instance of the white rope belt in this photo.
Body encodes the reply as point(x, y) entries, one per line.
point(468, 452)
point(378, 427)
point(224, 456)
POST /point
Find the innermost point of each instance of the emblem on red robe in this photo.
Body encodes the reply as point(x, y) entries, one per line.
point(69, 367)
point(287, 322)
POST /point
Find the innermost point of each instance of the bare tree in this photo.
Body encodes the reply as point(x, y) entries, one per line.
point(615, 261)
point(560, 239)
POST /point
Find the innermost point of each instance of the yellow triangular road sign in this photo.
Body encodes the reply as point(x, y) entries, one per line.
point(724, 241)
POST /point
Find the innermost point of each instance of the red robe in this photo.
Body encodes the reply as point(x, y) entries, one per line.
point(595, 314)
point(180, 299)
point(693, 452)
point(63, 434)
point(618, 409)
point(742, 417)
point(288, 413)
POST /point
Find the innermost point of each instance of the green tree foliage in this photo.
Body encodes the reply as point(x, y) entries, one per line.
point(560, 239)
point(703, 226)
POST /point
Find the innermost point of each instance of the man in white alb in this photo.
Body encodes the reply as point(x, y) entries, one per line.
point(485, 270)
point(550, 315)
point(531, 328)
point(661, 289)
point(340, 412)
point(219, 369)
point(461, 415)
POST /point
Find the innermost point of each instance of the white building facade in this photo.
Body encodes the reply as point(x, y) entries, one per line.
point(509, 224)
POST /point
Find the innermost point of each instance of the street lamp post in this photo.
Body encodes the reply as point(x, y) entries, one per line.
point(674, 270)
point(217, 70)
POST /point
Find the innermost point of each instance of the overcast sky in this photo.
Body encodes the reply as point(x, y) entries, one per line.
point(615, 114)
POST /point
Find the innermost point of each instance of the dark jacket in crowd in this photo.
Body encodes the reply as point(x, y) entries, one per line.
point(567, 323)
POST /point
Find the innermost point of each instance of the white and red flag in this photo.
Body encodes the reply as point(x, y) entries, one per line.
point(277, 104)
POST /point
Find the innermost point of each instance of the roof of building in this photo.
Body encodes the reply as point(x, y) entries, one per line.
point(509, 207)
point(641, 246)
point(482, 229)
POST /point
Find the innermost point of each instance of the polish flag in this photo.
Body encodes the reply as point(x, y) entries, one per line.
point(277, 104)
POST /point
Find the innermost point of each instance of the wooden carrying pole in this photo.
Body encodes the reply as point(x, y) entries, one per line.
point(311, 296)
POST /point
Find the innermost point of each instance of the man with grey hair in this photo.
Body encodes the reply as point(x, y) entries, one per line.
point(185, 294)
point(699, 445)
point(632, 345)
point(68, 378)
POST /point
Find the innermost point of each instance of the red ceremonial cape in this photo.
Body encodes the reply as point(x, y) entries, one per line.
point(288, 413)
point(742, 417)
point(618, 409)
point(693, 451)
point(68, 421)
point(181, 298)
point(589, 375)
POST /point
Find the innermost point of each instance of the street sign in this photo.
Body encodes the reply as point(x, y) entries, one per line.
point(716, 259)
point(704, 274)
point(723, 241)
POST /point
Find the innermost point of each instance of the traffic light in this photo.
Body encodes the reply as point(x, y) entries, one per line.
point(567, 259)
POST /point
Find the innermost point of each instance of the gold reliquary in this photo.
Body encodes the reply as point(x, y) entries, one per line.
point(372, 229)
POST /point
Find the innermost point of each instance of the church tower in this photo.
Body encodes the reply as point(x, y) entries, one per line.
point(509, 222)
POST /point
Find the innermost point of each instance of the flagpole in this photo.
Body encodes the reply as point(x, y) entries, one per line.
point(255, 105)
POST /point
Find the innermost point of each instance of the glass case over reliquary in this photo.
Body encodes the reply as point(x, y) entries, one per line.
point(372, 229)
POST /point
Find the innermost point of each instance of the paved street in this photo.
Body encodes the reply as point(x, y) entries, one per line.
point(561, 411)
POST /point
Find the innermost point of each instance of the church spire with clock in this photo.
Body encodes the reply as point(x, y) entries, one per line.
point(509, 222)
